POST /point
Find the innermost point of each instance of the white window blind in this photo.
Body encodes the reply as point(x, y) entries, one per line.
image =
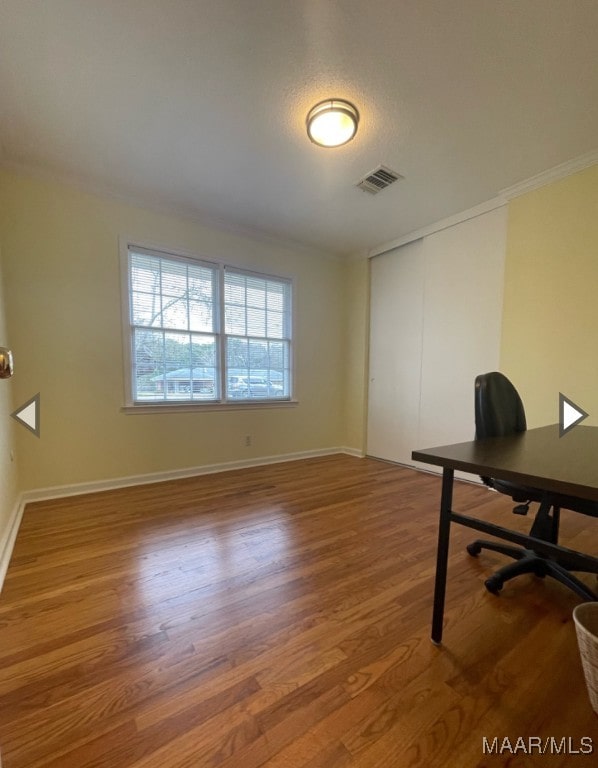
point(202, 332)
point(257, 321)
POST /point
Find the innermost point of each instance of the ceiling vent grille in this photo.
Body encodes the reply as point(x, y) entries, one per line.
point(380, 178)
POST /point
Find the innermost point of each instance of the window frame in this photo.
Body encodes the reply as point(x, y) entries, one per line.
point(222, 403)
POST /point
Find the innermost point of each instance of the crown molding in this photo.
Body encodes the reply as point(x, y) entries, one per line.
point(549, 176)
point(162, 207)
point(438, 226)
point(556, 173)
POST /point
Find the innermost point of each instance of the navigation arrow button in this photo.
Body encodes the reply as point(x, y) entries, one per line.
point(28, 415)
point(570, 414)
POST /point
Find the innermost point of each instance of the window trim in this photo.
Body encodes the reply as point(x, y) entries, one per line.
point(168, 406)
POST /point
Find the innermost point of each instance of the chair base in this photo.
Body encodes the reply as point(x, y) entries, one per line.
point(527, 561)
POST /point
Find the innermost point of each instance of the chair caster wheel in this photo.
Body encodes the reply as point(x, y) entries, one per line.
point(493, 585)
point(474, 549)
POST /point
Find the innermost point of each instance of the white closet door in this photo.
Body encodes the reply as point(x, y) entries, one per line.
point(463, 312)
point(396, 324)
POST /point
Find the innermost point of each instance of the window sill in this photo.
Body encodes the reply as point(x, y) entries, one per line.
point(187, 407)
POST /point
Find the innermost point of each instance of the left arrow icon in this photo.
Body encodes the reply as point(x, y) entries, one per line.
point(28, 415)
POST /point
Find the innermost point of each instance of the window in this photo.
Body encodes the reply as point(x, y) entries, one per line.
point(201, 332)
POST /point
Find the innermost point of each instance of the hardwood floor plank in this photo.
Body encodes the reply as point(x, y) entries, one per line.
point(278, 616)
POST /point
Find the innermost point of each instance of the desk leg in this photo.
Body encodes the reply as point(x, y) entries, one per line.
point(446, 502)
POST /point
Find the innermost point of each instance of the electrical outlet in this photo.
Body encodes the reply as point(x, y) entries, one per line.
point(247, 441)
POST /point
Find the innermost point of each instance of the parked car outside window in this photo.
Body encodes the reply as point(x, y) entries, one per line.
point(246, 387)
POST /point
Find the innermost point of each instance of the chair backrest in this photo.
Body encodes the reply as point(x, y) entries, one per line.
point(498, 408)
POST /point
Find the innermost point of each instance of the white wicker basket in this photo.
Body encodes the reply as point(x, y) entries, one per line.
point(586, 626)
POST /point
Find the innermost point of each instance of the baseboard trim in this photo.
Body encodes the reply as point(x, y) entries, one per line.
point(356, 452)
point(78, 489)
point(10, 536)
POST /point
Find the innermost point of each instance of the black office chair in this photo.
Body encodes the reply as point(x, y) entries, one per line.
point(498, 412)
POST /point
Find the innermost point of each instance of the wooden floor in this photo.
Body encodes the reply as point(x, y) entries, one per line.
point(280, 616)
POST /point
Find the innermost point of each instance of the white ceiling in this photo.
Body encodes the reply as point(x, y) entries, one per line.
point(200, 105)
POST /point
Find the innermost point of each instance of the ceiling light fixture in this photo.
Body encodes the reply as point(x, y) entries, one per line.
point(332, 123)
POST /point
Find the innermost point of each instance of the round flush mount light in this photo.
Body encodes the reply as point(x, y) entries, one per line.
point(332, 123)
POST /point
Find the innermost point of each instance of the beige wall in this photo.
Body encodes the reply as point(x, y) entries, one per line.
point(61, 258)
point(550, 319)
point(62, 299)
point(356, 326)
point(9, 487)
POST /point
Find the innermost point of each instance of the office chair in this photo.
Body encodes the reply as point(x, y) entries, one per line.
point(499, 412)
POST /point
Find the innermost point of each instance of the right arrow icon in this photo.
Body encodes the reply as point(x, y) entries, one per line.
point(570, 414)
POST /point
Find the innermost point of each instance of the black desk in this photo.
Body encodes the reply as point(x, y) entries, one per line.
point(539, 458)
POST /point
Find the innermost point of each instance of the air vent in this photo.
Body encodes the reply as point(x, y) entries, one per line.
point(378, 179)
